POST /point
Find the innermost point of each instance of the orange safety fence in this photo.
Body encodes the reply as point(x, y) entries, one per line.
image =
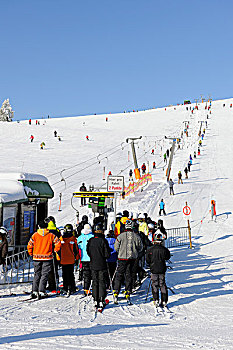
point(135, 186)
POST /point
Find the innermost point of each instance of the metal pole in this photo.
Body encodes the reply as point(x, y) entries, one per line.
point(134, 155)
point(148, 290)
point(170, 159)
point(189, 229)
point(115, 205)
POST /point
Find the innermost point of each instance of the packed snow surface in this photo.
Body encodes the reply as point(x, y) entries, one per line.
point(202, 277)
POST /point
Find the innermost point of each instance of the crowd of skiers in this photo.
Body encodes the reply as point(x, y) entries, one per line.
point(106, 259)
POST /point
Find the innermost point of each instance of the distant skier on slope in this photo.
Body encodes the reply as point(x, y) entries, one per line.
point(143, 167)
point(171, 184)
point(180, 177)
point(162, 207)
point(83, 189)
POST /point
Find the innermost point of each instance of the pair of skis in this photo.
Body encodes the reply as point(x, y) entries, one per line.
point(101, 309)
point(31, 299)
point(116, 301)
point(160, 309)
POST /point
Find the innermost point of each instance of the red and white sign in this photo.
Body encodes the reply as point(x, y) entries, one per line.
point(115, 184)
point(187, 211)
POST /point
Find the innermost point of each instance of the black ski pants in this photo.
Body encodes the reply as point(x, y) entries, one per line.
point(83, 201)
point(99, 284)
point(161, 210)
point(41, 274)
point(124, 269)
point(68, 278)
point(86, 275)
point(159, 283)
point(138, 270)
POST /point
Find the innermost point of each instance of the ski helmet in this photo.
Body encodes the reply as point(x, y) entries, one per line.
point(50, 218)
point(98, 228)
point(126, 213)
point(3, 231)
point(141, 216)
point(68, 228)
point(85, 218)
point(158, 238)
point(129, 225)
point(151, 226)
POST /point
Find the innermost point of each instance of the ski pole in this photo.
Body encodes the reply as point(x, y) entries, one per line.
point(173, 292)
point(110, 278)
point(148, 291)
point(55, 278)
point(113, 278)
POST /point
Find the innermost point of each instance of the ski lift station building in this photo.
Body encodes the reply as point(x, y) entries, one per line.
point(23, 203)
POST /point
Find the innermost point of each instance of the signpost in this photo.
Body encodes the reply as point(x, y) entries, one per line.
point(187, 214)
point(115, 184)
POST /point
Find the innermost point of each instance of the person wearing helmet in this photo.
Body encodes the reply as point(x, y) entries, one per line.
point(156, 257)
point(160, 230)
point(98, 251)
point(139, 273)
point(143, 227)
point(151, 228)
point(128, 245)
point(120, 225)
point(3, 245)
point(51, 226)
point(52, 280)
point(69, 254)
point(41, 246)
point(82, 241)
point(81, 225)
point(112, 260)
point(83, 189)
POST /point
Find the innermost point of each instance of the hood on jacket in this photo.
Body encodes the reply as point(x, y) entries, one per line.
point(43, 231)
point(51, 226)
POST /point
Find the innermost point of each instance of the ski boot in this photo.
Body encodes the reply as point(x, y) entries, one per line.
point(115, 297)
point(156, 303)
point(87, 292)
point(127, 297)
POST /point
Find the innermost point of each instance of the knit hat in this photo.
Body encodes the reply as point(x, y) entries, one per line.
point(87, 229)
point(128, 225)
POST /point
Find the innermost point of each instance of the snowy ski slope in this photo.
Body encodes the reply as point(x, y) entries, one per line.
point(202, 278)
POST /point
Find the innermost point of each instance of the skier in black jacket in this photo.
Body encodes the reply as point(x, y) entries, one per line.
point(81, 225)
point(83, 199)
point(156, 257)
point(98, 250)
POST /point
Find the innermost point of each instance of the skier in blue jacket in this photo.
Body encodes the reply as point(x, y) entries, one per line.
point(112, 261)
point(82, 241)
point(161, 207)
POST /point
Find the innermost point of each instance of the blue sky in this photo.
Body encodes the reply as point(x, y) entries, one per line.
point(71, 57)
